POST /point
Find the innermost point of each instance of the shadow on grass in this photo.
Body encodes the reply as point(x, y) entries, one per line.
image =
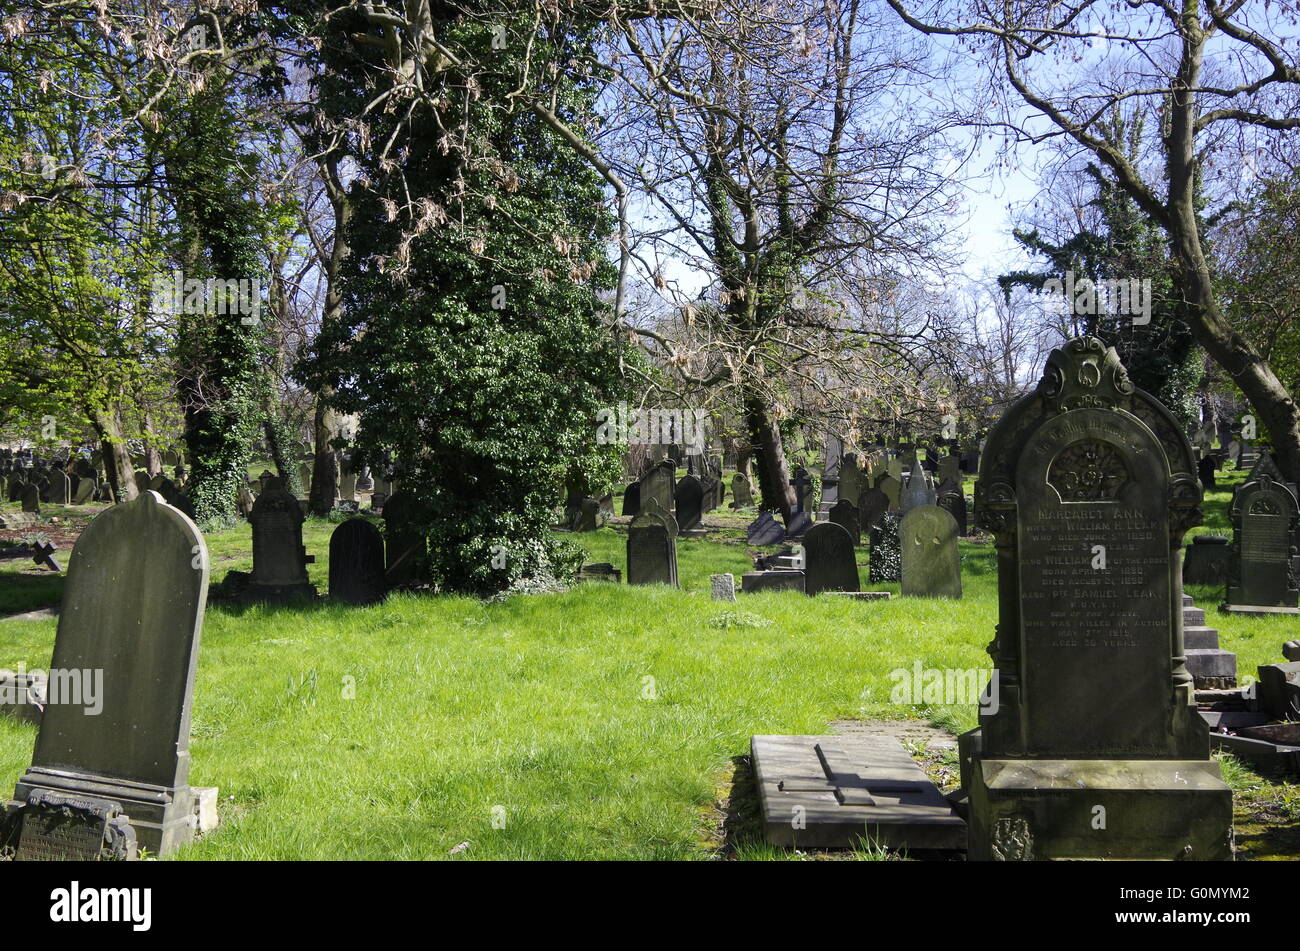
point(20, 593)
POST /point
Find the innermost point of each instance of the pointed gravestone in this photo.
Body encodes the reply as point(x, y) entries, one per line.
point(279, 559)
point(690, 505)
point(1264, 564)
point(765, 530)
point(845, 514)
point(1094, 748)
point(829, 562)
point(632, 499)
point(917, 490)
point(651, 552)
point(930, 563)
point(741, 493)
point(132, 614)
point(405, 545)
point(357, 563)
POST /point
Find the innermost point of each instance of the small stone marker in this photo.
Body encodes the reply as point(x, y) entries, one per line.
point(930, 563)
point(651, 551)
point(722, 587)
point(357, 563)
point(140, 641)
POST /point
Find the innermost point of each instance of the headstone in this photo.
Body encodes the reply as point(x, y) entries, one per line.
point(85, 489)
point(765, 530)
point(588, 519)
point(803, 490)
point(952, 501)
point(1207, 560)
point(658, 485)
point(722, 587)
point(357, 563)
point(1264, 563)
point(279, 559)
point(874, 505)
point(31, 499)
point(830, 563)
point(405, 545)
point(742, 495)
point(851, 483)
point(893, 490)
point(931, 565)
point(1205, 471)
point(690, 502)
point(845, 514)
point(347, 485)
point(132, 615)
point(632, 499)
point(884, 558)
point(798, 525)
point(1088, 486)
point(753, 582)
point(304, 476)
point(652, 507)
point(651, 552)
point(60, 488)
point(917, 490)
point(832, 462)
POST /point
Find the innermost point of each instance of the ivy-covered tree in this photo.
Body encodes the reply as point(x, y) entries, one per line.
point(470, 336)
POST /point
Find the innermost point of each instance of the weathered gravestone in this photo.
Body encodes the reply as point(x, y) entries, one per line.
point(845, 514)
point(31, 499)
point(851, 482)
point(651, 551)
point(952, 501)
point(930, 563)
point(658, 485)
point(805, 491)
point(1207, 560)
point(918, 490)
point(765, 530)
point(722, 587)
point(690, 504)
point(741, 493)
point(85, 489)
point(16, 487)
point(587, 518)
point(829, 562)
point(132, 614)
point(1263, 565)
point(893, 489)
point(279, 559)
point(405, 546)
point(874, 505)
point(357, 563)
point(1088, 486)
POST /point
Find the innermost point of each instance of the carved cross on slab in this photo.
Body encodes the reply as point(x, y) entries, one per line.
point(800, 482)
point(851, 788)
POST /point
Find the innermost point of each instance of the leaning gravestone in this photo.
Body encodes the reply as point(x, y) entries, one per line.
point(279, 559)
point(141, 640)
point(357, 563)
point(930, 563)
point(1094, 748)
point(1263, 565)
point(845, 514)
point(829, 562)
point(651, 551)
point(765, 530)
point(632, 499)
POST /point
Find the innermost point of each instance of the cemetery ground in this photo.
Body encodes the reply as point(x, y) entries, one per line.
point(604, 722)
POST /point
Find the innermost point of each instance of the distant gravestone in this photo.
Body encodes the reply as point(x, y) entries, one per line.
point(1205, 471)
point(690, 502)
point(279, 559)
point(930, 563)
point(765, 530)
point(31, 499)
point(347, 485)
point(357, 563)
point(405, 545)
point(1263, 567)
point(917, 490)
point(892, 488)
point(132, 615)
point(632, 499)
point(304, 476)
point(16, 486)
point(85, 490)
point(651, 552)
point(829, 560)
point(658, 485)
point(804, 491)
point(952, 501)
point(845, 514)
point(1207, 560)
point(851, 482)
point(883, 558)
point(1088, 486)
point(798, 524)
point(60, 488)
point(874, 505)
point(742, 495)
point(588, 515)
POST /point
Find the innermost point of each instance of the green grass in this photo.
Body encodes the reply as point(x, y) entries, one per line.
point(606, 722)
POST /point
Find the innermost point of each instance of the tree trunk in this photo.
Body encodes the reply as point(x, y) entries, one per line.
point(117, 456)
point(776, 494)
point(325, 470)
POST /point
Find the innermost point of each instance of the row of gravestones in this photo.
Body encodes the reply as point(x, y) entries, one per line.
point(687, 501)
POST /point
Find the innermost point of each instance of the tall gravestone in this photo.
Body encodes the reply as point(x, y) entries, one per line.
point(279, 559)
point(1094, 748)
point(658, 485)
point(851, 484)
point(31, 498)
point(690, 505)
point(405, 546)
point(132, 609)
point(357, 563)
point(830, 563)
point(651, 551)
point(1263, 561)
point(929, 560)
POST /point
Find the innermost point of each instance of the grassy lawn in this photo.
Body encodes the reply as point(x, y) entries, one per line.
point(603, 722)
